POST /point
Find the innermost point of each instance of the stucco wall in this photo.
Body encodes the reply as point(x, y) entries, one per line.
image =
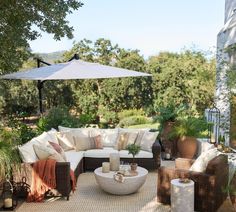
point(229, 7)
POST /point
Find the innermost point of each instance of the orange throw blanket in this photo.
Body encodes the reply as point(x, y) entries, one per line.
point(44, 179)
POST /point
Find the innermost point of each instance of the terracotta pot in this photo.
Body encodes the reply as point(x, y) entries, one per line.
point(232, 192)
point(187, 147)
point(233, 200)
point(166, 142)
point(133, 166)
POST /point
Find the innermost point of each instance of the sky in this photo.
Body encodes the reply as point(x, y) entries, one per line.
point(150, 26)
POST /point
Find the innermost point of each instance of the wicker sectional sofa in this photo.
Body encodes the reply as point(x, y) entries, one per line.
point(90, 159)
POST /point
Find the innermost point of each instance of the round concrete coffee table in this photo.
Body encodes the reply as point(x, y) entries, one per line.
point(130, 185)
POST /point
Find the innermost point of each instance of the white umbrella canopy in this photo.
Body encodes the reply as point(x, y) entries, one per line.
point(75, 69)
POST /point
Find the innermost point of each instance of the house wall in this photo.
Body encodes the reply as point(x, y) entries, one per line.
point(230, 5)
point(225, 38)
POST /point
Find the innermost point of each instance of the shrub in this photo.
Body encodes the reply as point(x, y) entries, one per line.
point(134, 120)
point(127, 113)
point(20, 132)
point(58, 116)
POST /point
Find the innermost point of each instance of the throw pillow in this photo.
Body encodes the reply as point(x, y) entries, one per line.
point(82, 143)
point(109, 137)
point(66, 141)
point(27, 152)
point(44, 152)
point(140, 133)
point(59, 149)
point(122, 141)
point(96, 142)
point(53, 135)
point(203, 146)
point(201, 162)
point(148, 140)
point(125, 138)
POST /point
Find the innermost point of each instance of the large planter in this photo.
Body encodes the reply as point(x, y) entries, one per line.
point(187, 147)
point(232, 192)
point(168, 144)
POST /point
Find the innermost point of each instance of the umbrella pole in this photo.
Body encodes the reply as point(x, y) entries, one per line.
point(40, 86)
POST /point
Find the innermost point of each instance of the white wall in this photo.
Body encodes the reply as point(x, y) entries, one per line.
point(229, 7)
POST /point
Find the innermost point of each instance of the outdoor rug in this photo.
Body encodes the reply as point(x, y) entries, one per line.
point(89, 197)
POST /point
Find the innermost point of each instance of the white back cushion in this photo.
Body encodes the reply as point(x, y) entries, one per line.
point(201, 162)
point(109, 137)
point(148, 140)
point(27, 152)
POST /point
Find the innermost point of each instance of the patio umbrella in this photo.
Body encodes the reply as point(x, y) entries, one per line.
point(74, 69)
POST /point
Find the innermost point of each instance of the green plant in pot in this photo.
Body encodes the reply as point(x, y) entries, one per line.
point(186, 130)
point(133, 149)
point(167, 116)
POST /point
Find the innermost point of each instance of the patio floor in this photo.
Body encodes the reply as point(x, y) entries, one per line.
point(89, 197)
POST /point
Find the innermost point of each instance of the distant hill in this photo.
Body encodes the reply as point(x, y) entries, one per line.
point(51, 57)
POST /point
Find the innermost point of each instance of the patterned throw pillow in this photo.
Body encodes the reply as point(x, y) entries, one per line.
point(96, 142)
point(59, 149)
point(125, 138)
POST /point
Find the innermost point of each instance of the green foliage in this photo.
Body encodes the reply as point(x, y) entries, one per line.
point(9, 155)
point(17, 19)
point(85, 119)
point(20, 132)
point(133, 149)
point(133, 112)
point(154, 126)
point(186, 78)
point(58, 116)
point(134, 120)
point(189, 126)
point(168, 113)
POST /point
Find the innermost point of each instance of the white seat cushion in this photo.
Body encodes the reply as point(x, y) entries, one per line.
point(100, 153)
point(141, 154)
point(74, 158)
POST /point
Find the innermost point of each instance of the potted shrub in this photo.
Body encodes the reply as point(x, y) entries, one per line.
point(186, 131)
point(167, 116)
point(134, 150)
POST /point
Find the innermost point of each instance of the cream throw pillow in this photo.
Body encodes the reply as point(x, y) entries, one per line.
point(148, 140)
point(201, 162)
point(44, 152)
point(66, 141)
point(82, 143)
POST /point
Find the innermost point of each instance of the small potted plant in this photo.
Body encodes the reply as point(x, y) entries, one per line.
point(134, 150)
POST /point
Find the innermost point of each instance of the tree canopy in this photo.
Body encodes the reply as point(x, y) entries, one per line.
point(21, 22)
point(180, 78)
